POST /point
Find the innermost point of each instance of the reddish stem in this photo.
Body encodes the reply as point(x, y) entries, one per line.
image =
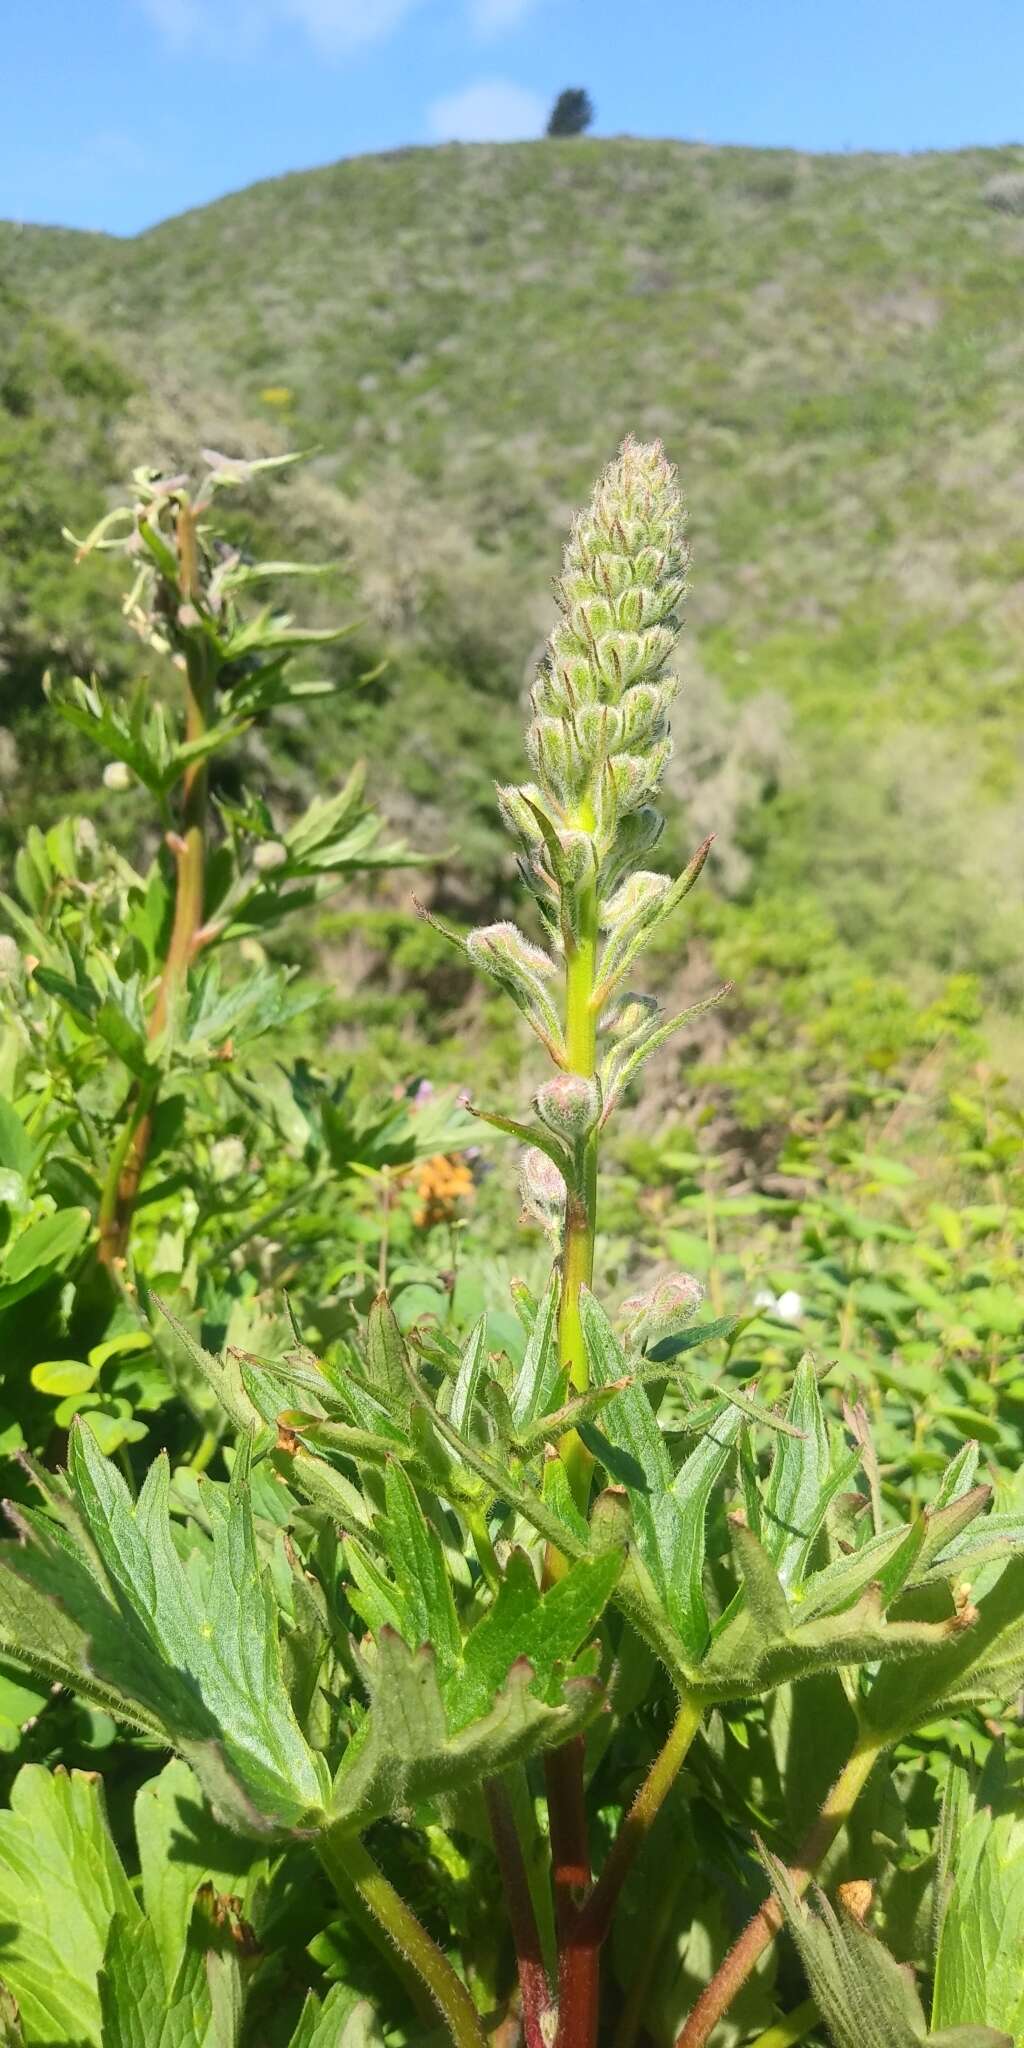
point(533, 1978)
point(579, 1955)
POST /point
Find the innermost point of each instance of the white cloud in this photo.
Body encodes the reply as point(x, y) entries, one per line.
point(335, 25)
point(181, 21)
point(492, 110)
point(493, 17)
point(332, 26)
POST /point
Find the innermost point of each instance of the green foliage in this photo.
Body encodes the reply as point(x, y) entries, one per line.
point(447, 1605)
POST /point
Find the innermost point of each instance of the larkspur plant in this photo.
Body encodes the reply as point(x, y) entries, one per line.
point(457, 1615)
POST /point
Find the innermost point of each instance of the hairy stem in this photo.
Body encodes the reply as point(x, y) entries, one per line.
point(533, 1979)
point(128, 1161)
point(760, 1932)
point(351, 1867)
point(578, 1959)
point(596, 1915)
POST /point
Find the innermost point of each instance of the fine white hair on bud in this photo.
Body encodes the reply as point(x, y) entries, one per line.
point(543, 1191)
point(604, 690)
point(570, 1106)
point(506, 956)
point(661, 1312)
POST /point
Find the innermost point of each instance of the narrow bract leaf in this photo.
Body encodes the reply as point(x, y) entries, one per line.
point(798, 1478)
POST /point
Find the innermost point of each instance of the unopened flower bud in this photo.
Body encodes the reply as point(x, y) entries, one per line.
point(569, 1105)
point(662, 1311)
point(635, 902)
point(270, 854)
point(630, 1017)
point(543, 1190)
point(117, 775)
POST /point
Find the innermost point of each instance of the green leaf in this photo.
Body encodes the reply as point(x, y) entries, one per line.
point(417, 1560)
point(798, 1481)
point(548, 1629)
point(61, 1883)
point(16, 1148)
point(669, 1509)
point(62, 1377)
point(195, 1650)
point(181, 1847)
point(864, 1997)
point(538, 1375)
point(386, 1357)
point(42, 1250)
point(978, 1974)
point(344, 2020)
point(471, 1365)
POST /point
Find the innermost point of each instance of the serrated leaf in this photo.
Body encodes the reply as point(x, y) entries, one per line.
point(421, 1577)
point(386, 1357)
point(668, 1509)
point(471, 1365)
point(538, 1375)
point(547, 1628)
point(199, 1652)
point(798, 1479)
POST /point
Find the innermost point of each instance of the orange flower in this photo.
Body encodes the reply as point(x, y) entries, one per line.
point(441, 1184)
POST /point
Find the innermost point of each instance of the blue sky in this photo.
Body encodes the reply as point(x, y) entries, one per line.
point(116, 113)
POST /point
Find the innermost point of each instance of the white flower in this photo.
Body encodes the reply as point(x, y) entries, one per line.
point(788, 1307)
point(117, 775)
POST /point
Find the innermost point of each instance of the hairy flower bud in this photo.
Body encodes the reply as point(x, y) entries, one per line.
point(635, 902)
point(569, 1105)
point(631, 1017)
point(543, 1191)
point(603, 691)
point(117, 775)
point(518, 816)
point(662, 1311)
point(505, 955)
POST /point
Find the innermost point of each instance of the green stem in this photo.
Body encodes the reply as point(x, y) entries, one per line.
point(350, 1866)
point(121, 1188)
point(760, 1932)
point(581, 1203)
point(596, 1913)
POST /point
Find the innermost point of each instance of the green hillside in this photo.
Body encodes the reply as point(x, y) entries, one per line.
point(832, 350)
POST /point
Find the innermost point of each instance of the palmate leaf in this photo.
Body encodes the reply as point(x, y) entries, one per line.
point(446, 1713)
point(196, 1649)
point(406, 1751)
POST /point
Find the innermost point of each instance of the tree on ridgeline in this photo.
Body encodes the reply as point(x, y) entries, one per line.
point(572, 112)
